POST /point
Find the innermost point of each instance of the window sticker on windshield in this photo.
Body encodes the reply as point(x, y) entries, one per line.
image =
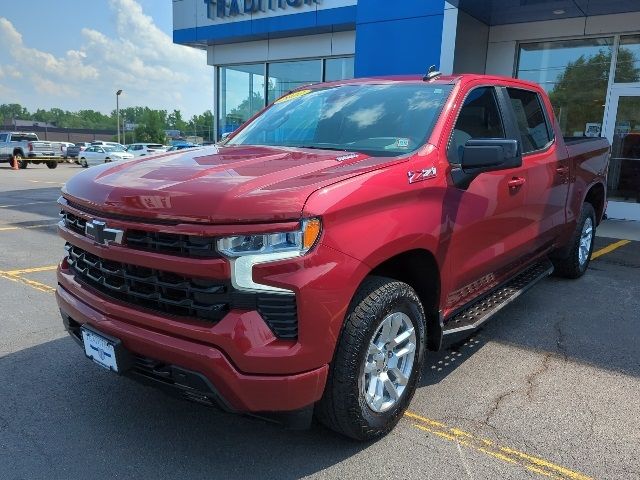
point(402, 143)
point(291, 96)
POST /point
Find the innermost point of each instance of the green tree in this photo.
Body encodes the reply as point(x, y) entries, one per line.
point(13, 110)
point(152, 127)
point(176, 122)
point(579, 94)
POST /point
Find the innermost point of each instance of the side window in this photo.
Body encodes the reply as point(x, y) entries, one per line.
point(479, 118)
point(532, 123)
point(3, 137)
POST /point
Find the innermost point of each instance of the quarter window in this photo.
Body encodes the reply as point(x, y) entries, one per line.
point(479, 118)
point(531, 120)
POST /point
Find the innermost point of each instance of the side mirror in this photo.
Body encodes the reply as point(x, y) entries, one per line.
point(486, 155)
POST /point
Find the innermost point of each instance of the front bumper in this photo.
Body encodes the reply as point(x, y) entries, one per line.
point(199, 369)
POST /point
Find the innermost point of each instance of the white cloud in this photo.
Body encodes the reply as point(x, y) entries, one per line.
point(142, 60)
point(365, 117)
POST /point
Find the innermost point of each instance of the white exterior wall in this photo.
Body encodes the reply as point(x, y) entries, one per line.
point(309, 46)
point(504, 39)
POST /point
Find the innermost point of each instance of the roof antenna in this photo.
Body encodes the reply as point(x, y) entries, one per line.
point(431, 74)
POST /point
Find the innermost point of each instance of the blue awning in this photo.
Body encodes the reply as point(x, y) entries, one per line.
point(501, 12)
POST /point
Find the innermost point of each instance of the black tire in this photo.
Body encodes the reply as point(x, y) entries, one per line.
point(52, 164)
point(343, 407)
point(83, 163)
point(570, 265)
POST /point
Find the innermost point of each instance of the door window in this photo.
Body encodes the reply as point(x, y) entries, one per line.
point(532, 123)
point(479, 118)
point(3, 137)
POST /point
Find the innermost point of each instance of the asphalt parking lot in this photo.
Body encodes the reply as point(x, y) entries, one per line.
point(549, 388)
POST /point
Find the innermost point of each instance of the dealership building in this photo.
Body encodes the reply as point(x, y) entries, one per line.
point(585, 53)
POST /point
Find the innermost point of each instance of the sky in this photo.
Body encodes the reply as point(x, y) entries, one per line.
point(75, 54)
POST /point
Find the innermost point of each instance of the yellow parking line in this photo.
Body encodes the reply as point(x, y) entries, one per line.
point(13, 229)
point(533, 464)
point(609, 248)
point(22, 271)
point(30, 283)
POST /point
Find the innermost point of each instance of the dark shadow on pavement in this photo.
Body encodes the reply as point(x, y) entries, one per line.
point(62, 417)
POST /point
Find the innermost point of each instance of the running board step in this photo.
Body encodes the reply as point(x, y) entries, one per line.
point(479, 312)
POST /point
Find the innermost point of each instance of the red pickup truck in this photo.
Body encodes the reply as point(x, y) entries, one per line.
point(309, 263)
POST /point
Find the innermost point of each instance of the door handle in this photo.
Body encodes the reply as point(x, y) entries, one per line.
point(562, 170)
point(516, 182)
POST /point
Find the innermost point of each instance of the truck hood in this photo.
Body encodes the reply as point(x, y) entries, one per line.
point(234, 184)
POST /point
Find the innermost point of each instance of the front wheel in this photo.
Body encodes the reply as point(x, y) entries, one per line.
point(377, 363)
point(83, 163)
point(52, 164)
point(581, 244)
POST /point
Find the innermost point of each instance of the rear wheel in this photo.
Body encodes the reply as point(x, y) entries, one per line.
point(377, 363)
point(577, 261)
point(52, 164)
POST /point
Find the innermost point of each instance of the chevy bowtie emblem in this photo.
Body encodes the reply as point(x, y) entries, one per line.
point(101, 234)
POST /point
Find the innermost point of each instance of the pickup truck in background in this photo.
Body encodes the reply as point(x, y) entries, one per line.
point(26, 148)
point(309, 263)
point(73, 151)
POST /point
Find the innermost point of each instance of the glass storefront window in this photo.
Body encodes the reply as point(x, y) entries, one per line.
point(628, 65)
point(241, 90)
point(575, 74)
point(285, 76)
point(624, 167)
point(338, 69)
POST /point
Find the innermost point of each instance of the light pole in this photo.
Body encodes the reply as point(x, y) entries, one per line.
point(118, 112)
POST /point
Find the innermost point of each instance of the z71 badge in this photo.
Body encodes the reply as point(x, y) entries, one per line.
point(421, 175)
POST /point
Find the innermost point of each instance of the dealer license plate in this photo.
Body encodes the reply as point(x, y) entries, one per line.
point(100, 350)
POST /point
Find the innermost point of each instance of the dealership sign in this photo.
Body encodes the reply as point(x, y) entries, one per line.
point(227, 9)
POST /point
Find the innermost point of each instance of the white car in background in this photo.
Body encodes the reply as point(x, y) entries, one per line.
point(98, 154)
point(142, 149)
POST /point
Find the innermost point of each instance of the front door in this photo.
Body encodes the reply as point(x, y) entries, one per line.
point(622, 128)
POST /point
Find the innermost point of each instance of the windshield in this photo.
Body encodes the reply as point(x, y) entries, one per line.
point(381, 120)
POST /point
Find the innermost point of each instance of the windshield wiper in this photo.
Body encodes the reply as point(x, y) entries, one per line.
point(318, 147)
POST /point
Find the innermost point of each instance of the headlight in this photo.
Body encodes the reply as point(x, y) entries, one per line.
point(245, 251)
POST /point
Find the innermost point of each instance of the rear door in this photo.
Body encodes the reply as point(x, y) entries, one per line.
point(547, 167)
point(490, 230)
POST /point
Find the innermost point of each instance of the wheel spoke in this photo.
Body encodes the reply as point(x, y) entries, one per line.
point(409, 348)
point(373, 386)
point(403, 337)
point(399, 377)
point(385, 334)
point(373, 349)
point(391, 389)
point(369, 367)
point(396, 324)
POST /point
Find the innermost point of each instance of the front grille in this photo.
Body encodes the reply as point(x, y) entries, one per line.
point(157, 290)
point(173, 244)
point(173, 294)
point(193, 246)
point(73, 222)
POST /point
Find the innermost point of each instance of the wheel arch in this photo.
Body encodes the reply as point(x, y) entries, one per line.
point(596, 195)
point(419, 269)
point(18, 151)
